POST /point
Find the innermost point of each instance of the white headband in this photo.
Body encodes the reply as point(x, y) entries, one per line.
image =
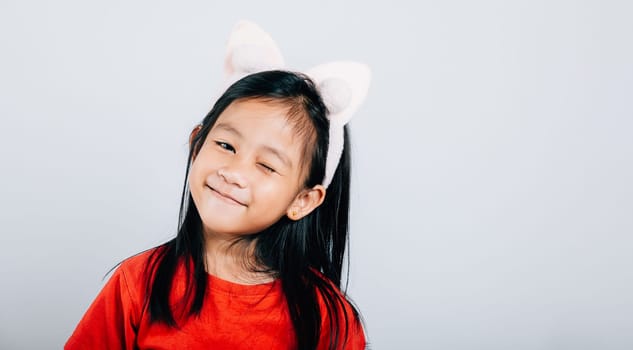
point(343, 85)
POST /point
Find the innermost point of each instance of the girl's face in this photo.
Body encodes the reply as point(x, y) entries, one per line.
point(249, 171)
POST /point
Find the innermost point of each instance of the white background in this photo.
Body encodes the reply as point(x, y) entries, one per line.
point(492, 195)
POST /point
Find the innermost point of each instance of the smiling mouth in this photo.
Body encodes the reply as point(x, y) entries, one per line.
point(226, 198)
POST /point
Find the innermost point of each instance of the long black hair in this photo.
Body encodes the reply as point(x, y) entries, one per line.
point(299, 253)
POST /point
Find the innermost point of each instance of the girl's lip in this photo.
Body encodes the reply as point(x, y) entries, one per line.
point(226, 197)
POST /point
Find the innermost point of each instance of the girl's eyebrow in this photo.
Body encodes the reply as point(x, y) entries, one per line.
point(229, 128)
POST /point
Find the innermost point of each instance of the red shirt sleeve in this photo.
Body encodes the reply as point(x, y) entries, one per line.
point(112, 319)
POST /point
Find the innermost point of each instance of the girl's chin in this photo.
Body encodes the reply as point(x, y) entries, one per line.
point(237, 227)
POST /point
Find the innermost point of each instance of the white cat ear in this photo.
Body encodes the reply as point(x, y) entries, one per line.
point(250, 49)
point(343, 85)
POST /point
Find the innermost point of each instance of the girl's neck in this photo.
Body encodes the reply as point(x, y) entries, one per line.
point(233, 261)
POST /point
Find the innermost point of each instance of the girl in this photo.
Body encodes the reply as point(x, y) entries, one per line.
point(257, 260)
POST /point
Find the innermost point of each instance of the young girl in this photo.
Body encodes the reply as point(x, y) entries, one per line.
point(257, 260)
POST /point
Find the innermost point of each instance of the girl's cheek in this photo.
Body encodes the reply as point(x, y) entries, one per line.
point(268, 188)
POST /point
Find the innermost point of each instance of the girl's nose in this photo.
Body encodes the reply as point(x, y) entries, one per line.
point(232, 176)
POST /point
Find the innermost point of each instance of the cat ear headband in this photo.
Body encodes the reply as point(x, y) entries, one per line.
point(342, 85)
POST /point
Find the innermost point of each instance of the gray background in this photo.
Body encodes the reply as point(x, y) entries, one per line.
point(492, 195)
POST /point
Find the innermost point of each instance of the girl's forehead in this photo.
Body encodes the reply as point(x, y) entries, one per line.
point(258, 115)
point(255, 108)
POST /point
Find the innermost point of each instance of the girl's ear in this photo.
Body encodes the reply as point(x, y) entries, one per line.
point(305, 202)
point(193, 135)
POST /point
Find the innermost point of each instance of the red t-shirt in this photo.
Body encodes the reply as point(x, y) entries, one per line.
point(233, 316)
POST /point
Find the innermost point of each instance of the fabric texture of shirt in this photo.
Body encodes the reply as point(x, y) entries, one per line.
point(233, 316)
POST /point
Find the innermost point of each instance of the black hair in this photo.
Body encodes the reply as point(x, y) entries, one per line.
point(306, 255)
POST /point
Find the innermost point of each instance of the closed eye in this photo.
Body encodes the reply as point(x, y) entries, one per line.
point(225, 146)
point(267, 168)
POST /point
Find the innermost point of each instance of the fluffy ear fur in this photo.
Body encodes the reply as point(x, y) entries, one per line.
point(250, 49)
point(343, 86)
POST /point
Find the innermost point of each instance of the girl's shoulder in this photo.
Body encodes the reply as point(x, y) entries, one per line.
point(136, 263)
point(324, 285)
point(340, 317)
point(117, 310)
point(135, 268)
